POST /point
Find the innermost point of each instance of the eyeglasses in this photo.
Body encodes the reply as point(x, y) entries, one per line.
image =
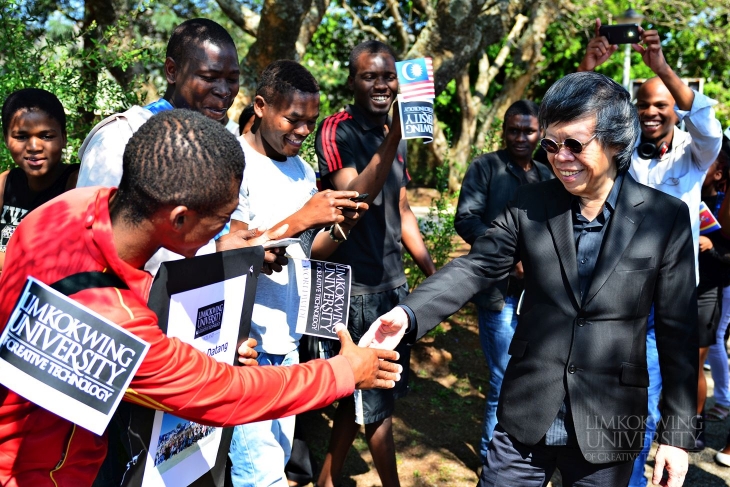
point(573, 145)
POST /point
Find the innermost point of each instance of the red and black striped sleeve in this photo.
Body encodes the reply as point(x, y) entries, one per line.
point(332, 144)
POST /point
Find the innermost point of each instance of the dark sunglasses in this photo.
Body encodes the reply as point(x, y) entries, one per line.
point(573, 145)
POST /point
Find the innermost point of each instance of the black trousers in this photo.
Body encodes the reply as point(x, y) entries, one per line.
point(510, 463)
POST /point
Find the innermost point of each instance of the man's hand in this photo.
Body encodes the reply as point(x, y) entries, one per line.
point(387, 331)
point(325, 208)
point(519, 271)
point(274, 259)
point(597, 52)
point(246, 353)
point(705, 243)
point(677, 463)
point(353, 216)
point(651, 51)
point(394, 122)
point(371, 367)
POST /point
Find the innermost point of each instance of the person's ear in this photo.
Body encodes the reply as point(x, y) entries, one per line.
point(350, 83)
point(259, 106)
point(178, 218)
point(170, 68)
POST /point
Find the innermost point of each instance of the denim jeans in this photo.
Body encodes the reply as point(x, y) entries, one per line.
point(259, 451)
point(718, 355)
point(496, 329)
point(638, 479)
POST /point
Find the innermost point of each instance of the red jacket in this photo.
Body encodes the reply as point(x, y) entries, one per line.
point(71, 234)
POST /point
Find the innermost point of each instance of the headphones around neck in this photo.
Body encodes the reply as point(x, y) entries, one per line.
point(648, 150)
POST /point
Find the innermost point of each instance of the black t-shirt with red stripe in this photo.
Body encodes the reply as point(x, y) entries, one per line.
point(373, 248)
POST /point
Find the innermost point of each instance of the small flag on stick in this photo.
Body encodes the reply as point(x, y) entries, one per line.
point(415, 77)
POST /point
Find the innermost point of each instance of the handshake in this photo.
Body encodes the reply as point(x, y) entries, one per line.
point(371, 360)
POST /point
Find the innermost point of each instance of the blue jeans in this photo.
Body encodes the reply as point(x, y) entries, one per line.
point(638, 479)
point(259, 451)
point(496, 329)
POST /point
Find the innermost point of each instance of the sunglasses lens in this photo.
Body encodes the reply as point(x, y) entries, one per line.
point(550, 146)
point(573, 145)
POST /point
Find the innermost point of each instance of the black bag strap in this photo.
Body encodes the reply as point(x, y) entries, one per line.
point(87, 280)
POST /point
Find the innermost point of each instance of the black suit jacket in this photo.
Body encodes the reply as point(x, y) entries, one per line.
point(593, 349)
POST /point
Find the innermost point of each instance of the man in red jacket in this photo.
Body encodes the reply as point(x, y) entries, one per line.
point(180, 184)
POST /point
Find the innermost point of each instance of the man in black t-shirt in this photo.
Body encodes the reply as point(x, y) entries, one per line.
point(357, 151)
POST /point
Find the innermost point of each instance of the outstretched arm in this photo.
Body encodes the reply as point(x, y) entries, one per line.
point(372, 179)
point(651, 53)
point(597, 52)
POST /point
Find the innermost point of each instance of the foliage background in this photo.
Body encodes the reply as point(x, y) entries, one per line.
point(101, 56)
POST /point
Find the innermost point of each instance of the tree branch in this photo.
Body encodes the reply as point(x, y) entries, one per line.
point(310, 24)
point(361, 25)
point(499, 61)
point(402, 31)
point(242, 16)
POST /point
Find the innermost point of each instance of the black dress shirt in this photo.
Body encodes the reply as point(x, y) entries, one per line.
point(588, 239)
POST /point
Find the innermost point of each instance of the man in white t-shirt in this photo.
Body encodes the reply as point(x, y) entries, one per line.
point(280, 188)
point(202, 73)
point(201, 67)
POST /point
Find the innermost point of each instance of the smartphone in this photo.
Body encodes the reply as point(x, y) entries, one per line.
point(360, 198)
point(284, 242)
point(621, 33)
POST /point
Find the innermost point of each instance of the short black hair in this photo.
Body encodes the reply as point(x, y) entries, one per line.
point(179, 157)
point(368, 47)
point(585, 94)
point(191, 34)
point(33, 99)
point(527, 108)
point(245, 116)
point(282, 78)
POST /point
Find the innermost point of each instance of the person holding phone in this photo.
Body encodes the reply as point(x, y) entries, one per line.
point(668, 159)
point(279, 189)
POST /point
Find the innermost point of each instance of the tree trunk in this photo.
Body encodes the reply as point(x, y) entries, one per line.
point(527, 61)
point(456, 32)
point(310, 24)
point(276, 38)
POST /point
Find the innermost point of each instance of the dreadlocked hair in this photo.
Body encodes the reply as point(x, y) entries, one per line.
point(191, 34)
point(282, 78)
point(179, 157)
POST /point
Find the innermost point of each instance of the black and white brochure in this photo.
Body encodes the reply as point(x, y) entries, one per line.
point(66, 358)
point(324, 299)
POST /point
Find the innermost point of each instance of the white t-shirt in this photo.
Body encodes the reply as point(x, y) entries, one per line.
point(271, 191)
point(681, 171)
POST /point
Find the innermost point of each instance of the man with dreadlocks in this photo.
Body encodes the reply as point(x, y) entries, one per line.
point(280, 188)
point(160, 203)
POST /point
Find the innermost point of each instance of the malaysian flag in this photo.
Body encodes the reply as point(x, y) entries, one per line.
point(415, 77)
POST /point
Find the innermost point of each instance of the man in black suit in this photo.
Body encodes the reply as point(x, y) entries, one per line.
point(597, 249)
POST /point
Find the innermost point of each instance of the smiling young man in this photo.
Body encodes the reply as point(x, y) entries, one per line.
point(668, 159)
point(280, 188)
point(202, 72)
point(159, 203)
point(202, 75)
point(357, 151)
point(489, 184)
